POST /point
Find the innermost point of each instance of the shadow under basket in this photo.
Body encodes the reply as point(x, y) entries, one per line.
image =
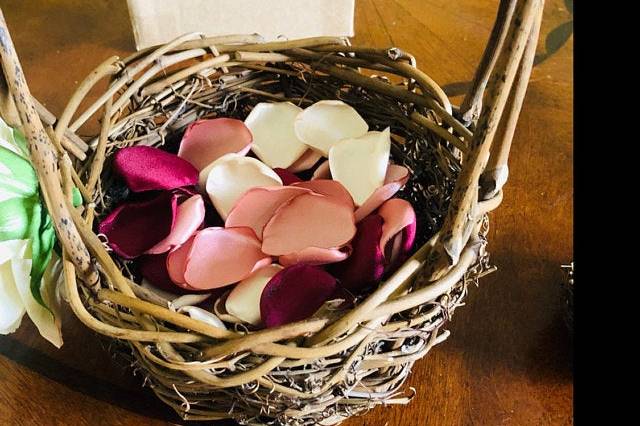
point(340, 362)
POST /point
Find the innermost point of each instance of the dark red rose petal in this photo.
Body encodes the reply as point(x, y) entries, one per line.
point(145, 168)
point(133, 228)
point(295, 293)
point(366, 264)
point(286, 176)
point(153, 267)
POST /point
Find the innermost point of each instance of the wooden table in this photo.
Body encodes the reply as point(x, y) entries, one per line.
point(508, 360)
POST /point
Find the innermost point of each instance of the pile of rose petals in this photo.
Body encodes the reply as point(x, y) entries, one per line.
point(211, 216)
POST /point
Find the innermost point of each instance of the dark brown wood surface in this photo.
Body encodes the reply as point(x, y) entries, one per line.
point(508, 360)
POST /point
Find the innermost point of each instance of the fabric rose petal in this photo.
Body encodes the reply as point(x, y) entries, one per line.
point(286, 176)
point(232, 175)
point(274, 139)
point(395, 179)
point(135, 227)
point(382, 241)
point(222, 256)
point(360, 164)
point(398, 231)
point(295, 293)
point(189, 217)
point(328, 187)
point(257, 206)
point(316, 256)
point(144, 168)
point(324, 123)
point(244, 300)
point(306, 161)
point(308, 220)
point(176, 263)
point(205, 141)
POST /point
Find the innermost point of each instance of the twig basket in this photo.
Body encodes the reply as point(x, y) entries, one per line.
point(338, 363)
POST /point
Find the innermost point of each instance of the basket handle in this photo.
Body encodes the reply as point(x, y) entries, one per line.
point(511, 59)
point(44, 155)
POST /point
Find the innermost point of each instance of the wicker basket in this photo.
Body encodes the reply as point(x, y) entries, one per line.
point(344, 360)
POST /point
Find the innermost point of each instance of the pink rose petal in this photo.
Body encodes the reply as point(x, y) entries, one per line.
point(134, 227)
point(330, 188)
point(366, 264)
point(257, 206)
point(205, 141)
point(396, 178)
point(307, 161)
point(308, 220)
point(145, 168)
point(398, 231)
point(316, 256)
point(295, 293)
point(323, 171)
point(219, 257)
point(153, 267)
point(189, 217)
point(287, 177)
point(177, 263)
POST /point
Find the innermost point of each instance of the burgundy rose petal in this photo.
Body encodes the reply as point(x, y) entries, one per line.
point(287, 177)
point(205, 141)
point(145, 168)
point(153, 267)
point(366, 264)
point(398, 231)
point(133, 228)
point(316, 256)
point(295, 293)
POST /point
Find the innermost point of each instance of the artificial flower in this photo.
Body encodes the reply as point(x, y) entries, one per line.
point(230, 176)
point(243, 301)
point(205, 141)
point(275, 142)
point(360, 164)
point(295, 293)
point(382, 241)
point(325, 123)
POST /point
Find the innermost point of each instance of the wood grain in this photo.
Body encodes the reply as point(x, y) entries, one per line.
point(508, 360)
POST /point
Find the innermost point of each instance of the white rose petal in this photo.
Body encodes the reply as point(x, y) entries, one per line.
point(360, 164)
point(244, 300)
point(325, 123)
point(232, 175)
point(274, 139)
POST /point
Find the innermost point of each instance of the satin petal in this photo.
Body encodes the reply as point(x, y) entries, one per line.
point(399, 222)
point(144, 168)
point(189, 217)
point(308, 220)
point(205, 141)
point(316, 256)
point(395, 179)
point(177, 263)
point(295, 293)
point(366, 264)
point(286, 176)
point(134, 227)
point(330, 188)
point(274, 141)
point(258, 205)
point(153, 267)
point(219, 257)
point(306, 161)
point(360, 164)
point(244, 300)
point(232, 175)
point(322, 172)
point(324, 123)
